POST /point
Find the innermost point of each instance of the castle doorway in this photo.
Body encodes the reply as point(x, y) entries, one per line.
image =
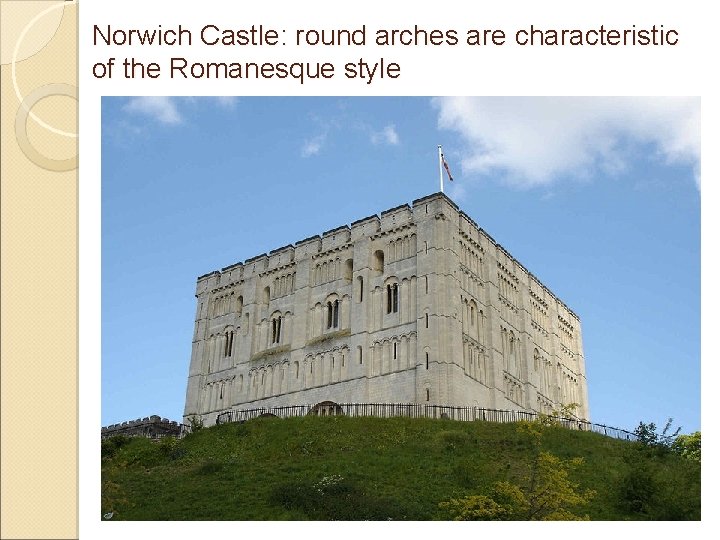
point(326, 408)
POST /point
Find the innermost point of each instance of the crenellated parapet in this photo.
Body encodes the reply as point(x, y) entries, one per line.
point(151, 426)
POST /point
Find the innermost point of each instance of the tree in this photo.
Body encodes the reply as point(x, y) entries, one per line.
point(688, 446)
point(564, 412)
point(649, 488)
point(647, 435)
point(545, 493)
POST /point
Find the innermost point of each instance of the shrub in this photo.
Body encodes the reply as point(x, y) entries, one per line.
point(688, 446)
point(109, 447)
point(171, 448)
point(196, 424)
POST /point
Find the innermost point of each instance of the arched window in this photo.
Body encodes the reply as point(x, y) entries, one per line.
point(229, 334)
point(392, 298)
point(276, 326)
point(333, 314)
point(359, 290)
point(266, 295)
point(379, 261)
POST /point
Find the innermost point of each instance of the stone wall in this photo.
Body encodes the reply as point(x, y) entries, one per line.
point(416, 305)
point(152, 426)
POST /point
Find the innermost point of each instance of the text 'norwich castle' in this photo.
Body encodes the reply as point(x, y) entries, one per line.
point(418, 305)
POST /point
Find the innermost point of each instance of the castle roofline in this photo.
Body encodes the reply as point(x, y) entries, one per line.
point(312, 238)
point(395, 209)
point(377, 218)
point(278, 250)
point(433, 196)
point(256, 258)
point(232, 266)
point(208, 274)
point(336, 230)
point(373, 217)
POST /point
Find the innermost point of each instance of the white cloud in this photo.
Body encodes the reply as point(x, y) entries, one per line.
point(388, 135)
point(313, 146)
point(172, 110)
point(162, 109)
point(536, 141)
point(227, 102)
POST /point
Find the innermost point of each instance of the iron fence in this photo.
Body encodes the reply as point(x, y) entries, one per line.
point(416, 410)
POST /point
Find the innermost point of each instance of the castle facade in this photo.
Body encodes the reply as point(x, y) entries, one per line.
point(416, 305)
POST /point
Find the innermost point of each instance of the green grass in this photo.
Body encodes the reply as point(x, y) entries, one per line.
point(371, 468)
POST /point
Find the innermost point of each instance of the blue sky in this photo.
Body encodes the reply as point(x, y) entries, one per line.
point(598, 197)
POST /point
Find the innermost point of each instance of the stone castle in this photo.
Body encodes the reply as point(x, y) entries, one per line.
point(416, 305)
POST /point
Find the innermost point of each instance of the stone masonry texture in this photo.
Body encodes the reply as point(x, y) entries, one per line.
point(416, 305)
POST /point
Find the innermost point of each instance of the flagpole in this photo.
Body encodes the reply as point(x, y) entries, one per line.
point(441, 167)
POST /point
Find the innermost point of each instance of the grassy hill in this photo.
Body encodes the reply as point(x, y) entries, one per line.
point(342, 468)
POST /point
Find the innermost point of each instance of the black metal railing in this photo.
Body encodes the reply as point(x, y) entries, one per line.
point(416, 410)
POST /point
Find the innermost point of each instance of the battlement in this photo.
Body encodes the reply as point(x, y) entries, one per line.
point(151, 426)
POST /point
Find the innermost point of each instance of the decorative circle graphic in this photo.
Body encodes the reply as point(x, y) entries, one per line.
point(14, 75)
point(15, 16)
point(55, 89)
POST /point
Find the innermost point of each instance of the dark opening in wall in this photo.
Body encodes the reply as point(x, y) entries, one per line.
point(392, 298)
point(266, 295)
point(379, 261)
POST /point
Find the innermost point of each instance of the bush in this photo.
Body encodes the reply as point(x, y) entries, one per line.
point(476, 508)
point(688, 446)
point(171, 448)
point(196, 424)
point(638, 490)
point(657, 484)
point(109, 447)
